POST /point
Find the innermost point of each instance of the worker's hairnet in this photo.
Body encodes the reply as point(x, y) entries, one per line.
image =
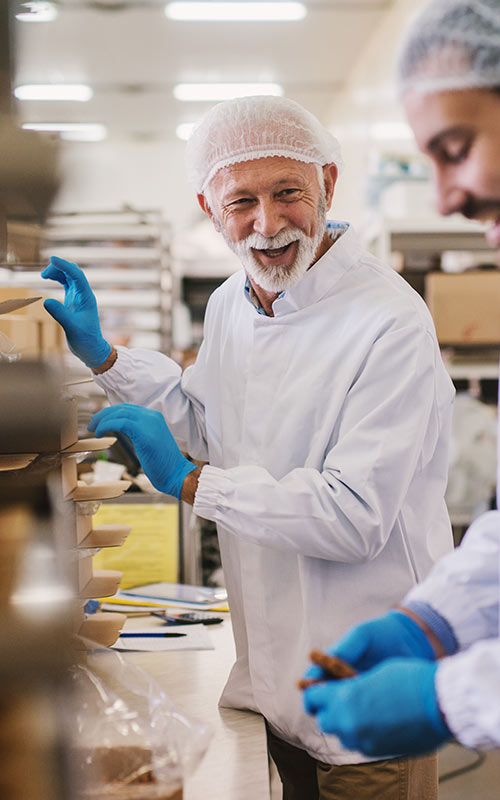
point(452, 44)
point(247, 128)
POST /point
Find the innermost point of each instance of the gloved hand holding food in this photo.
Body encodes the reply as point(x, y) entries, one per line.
point(156, 449)
point(388, 710)
point(78, 315)
point(391, 635)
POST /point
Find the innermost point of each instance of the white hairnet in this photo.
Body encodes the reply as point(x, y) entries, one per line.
point(247, 128)
point(452, 44)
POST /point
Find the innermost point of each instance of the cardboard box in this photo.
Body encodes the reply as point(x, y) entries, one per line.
point(33, 331)
point(24, 241)
point(69, 477)
point(24, 333)
point(84, 571)
point(83, 526)
point(40, 421)
point(68, 434)
point(465, 307)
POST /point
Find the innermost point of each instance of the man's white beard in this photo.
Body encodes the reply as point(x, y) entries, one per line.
point(279, 278)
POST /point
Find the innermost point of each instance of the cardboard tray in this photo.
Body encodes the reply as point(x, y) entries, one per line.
point(90, 445)
point(102, 627)
point(10, 461)
point(103, 583)
point(99, 491)
point(105, 536)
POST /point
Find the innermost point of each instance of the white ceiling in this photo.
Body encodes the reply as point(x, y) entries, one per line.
point(132, 56)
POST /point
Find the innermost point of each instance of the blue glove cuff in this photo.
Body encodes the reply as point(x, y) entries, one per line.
point(187, 467)
point(420, 644)
point(98, 355)
point(438, 624)
point(432, 710)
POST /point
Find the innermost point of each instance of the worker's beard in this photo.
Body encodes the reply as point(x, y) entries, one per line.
point(278, 278)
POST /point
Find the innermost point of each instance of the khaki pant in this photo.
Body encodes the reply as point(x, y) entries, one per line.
point(304, 778)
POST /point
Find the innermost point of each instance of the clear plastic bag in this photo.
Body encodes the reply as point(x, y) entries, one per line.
point(130, 742)
point(8, 350)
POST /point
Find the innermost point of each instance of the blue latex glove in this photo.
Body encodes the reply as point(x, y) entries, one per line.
point(78, 315)
point(365, 645)
point(156, 449)
point(389, 710)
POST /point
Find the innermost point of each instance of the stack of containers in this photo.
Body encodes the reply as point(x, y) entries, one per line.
point(57, 458)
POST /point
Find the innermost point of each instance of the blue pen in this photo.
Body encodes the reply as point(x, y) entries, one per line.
point(149, 635)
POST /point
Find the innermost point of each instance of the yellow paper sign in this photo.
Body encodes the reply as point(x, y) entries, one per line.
point(150, 553)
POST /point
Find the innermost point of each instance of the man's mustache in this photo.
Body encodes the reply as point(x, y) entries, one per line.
point(474, 208)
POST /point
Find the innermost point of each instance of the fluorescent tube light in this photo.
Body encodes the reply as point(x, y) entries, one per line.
point(223, 91)
point(239, 12)
point(38, 11)
point(54, 91)
point(390, 131)
point(71, 131)
point(184, 130)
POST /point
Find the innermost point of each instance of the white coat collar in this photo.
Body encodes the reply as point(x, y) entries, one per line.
point(320, 278)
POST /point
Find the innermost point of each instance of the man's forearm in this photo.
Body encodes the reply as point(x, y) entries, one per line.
point(106, 364)
point(436, 643)
point(190, 485)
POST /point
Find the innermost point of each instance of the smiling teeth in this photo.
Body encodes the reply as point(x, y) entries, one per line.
point(277, 252)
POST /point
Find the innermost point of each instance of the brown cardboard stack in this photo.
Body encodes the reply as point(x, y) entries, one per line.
point(465, 306)
point(24, 240)
point(52, 458)
point(86, 539)
point(57, 455)
point(30, 328)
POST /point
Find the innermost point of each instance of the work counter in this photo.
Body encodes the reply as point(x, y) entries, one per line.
point(235, 766)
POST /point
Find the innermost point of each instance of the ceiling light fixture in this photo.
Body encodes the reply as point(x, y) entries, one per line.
point(190, 92)
point(390, 131)
point(38, 11)
point(237, 12)
point(54, 91)
point(184, 130)
point(71, 131)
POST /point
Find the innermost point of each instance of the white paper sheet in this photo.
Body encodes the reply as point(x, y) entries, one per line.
point(197, 637)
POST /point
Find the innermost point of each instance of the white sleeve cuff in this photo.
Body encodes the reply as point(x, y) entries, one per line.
point(467, 691)
point(119, 373)
point(212, 484)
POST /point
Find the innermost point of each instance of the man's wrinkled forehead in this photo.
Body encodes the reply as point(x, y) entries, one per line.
point(260, 173)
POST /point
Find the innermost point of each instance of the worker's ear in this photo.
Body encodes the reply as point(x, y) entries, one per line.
point(203, 202)
point(330, 174)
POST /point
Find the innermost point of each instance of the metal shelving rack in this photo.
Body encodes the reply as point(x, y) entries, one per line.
point(430, 235)
point(126, 257)
point(426, 239)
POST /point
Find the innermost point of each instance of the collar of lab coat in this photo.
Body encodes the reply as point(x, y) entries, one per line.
point(322, 276)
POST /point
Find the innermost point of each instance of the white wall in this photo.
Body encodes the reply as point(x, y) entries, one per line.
point(369, 97)
point(105, 175)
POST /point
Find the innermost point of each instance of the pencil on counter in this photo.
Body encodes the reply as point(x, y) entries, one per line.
point(335, 669)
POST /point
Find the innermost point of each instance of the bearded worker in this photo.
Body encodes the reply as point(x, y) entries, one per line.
point(321, 404)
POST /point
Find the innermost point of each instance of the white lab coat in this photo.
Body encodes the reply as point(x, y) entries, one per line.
point(326, 428)
point(464, 588)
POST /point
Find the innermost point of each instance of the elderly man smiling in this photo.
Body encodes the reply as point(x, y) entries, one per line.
point(319, 401)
